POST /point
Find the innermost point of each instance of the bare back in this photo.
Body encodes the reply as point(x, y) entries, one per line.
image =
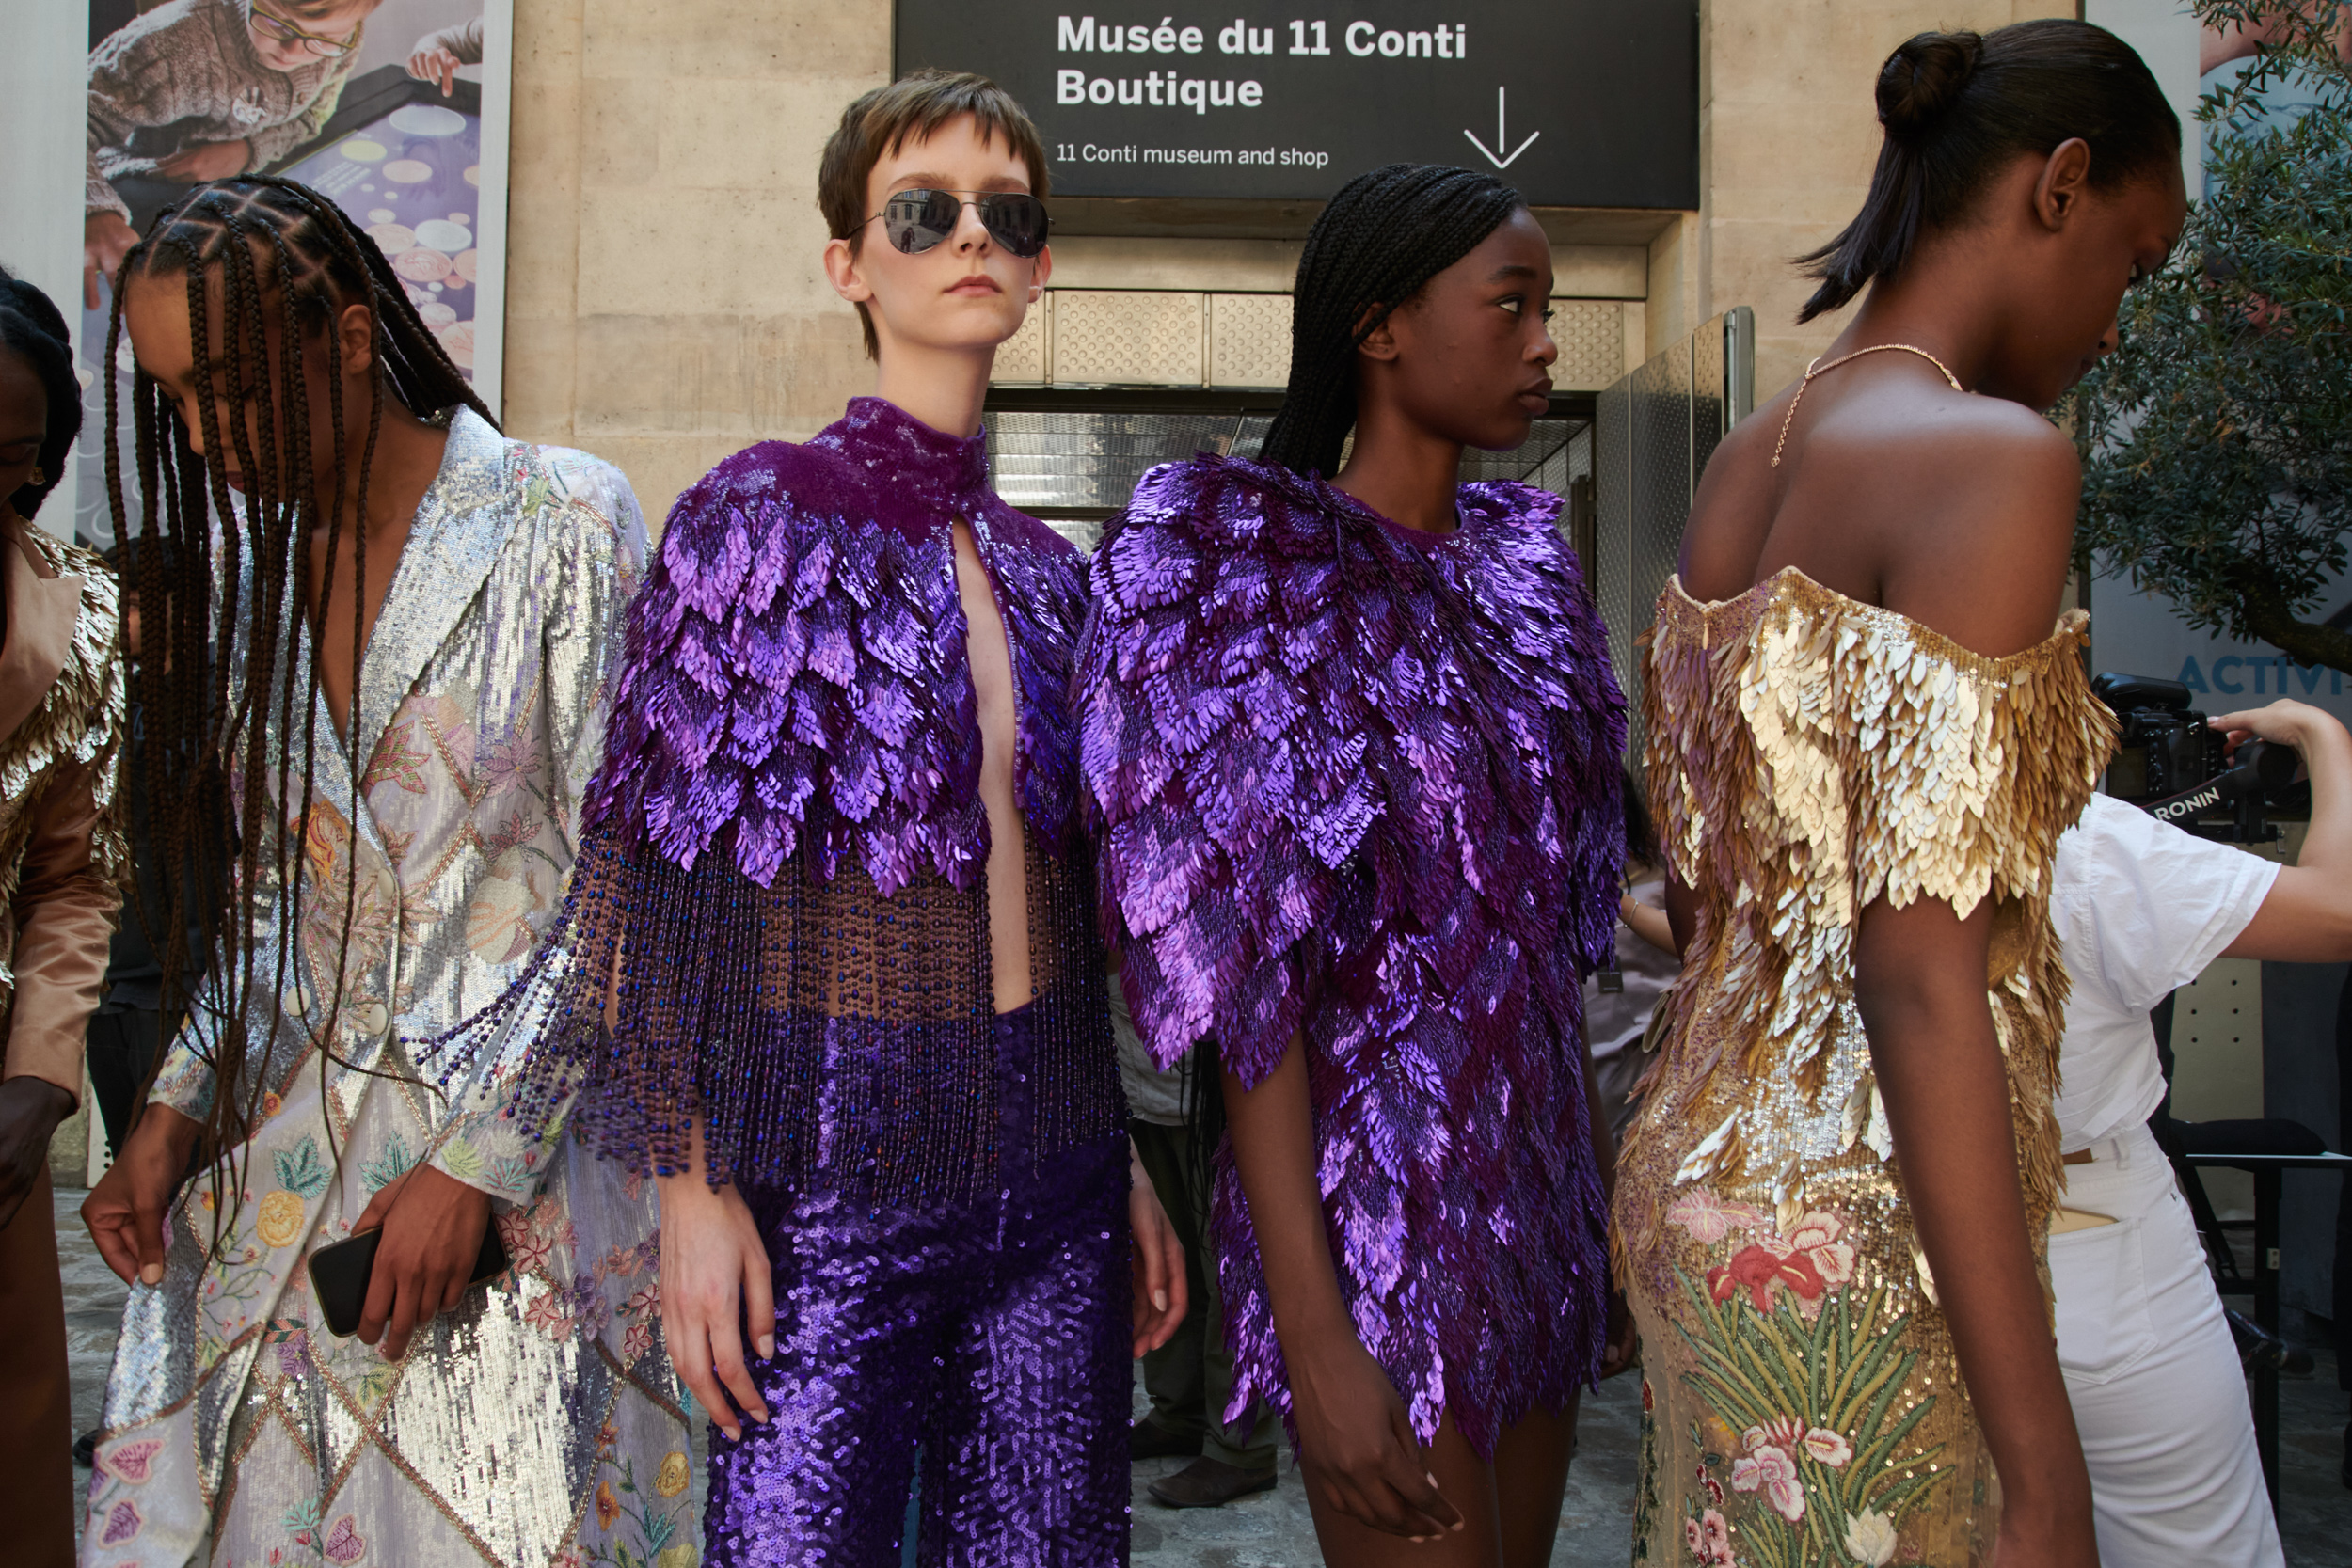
point(1894, 490)
point(990, 658)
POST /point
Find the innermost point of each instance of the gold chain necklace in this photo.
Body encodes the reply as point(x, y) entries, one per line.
point(1817, 368)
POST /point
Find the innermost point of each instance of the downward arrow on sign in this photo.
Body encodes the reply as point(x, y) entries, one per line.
point(1495, 154)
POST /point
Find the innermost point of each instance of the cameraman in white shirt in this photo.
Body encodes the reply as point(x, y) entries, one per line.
point(2141, 908)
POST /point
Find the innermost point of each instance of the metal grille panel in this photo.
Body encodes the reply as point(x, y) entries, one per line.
point(1250, 339)
point(1074, 467)
point(1126, 338)
point(1590, 334)
point(1021, 359)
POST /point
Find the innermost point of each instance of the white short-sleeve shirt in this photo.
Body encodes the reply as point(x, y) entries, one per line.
point(2140, 907)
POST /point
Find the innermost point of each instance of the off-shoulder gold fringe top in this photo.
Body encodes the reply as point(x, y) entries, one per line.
point(1807, 754)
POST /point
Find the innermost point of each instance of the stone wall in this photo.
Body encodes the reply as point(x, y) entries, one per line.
point(664, 301)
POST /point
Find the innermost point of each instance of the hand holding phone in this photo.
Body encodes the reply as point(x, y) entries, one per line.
point(433, 1238)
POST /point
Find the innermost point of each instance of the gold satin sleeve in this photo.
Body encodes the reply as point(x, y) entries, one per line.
point(65, 910)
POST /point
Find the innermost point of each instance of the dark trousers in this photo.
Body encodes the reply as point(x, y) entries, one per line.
point(37, 1491)
point(122, 1046)
point(1190, 1378)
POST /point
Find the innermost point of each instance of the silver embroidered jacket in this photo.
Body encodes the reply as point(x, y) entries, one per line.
point(541, 1419)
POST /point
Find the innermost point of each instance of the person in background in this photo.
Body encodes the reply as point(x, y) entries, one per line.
point(61, 860)
point(436, 56)
point(1620, 1002)
point(2141, 907)
point(203, 90)
point(1190, 1378)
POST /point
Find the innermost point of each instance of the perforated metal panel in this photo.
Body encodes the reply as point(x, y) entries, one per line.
point(1021, 359)
point(1074, 467)
point(1126, 338)
point(1655, 432)
point(1250, 339)
point(1590, 334)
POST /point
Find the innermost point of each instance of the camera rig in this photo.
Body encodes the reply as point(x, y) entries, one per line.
point(2179, 770)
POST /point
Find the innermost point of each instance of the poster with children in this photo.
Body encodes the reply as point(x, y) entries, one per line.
point(394, 109)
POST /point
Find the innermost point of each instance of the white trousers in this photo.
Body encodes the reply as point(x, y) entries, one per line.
point(2153, 1374)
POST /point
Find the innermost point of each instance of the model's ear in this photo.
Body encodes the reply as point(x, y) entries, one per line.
point(2065, 181)
point(1044, 268)
point(841, 271)
point(355, 338)
point(1380, 342)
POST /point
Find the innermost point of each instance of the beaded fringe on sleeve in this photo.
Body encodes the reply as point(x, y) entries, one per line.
point(783, 857)
point(1810, 754)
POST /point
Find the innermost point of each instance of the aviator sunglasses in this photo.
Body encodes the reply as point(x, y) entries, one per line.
point(917, 220)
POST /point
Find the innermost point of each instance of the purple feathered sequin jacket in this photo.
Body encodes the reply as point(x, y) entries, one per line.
point(1362, 783)
point(787, 846)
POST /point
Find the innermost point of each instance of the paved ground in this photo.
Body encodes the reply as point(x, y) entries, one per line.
point(1271, 1530)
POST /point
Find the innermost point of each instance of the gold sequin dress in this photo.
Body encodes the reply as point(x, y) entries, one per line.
point(1807, 755)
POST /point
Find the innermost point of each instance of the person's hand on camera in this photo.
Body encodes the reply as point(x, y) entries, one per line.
point(125, 1212)
point(433, 1226)
point(2285, 722)
point(30, 1109)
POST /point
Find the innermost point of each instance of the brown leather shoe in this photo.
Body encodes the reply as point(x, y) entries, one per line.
point(1148, 1439)
point(1210, 1483)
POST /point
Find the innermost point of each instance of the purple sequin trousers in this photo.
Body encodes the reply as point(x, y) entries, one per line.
point(787, 831)
point(1359, 782)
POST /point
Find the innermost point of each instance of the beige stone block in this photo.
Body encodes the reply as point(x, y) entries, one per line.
point(1599, 272)
point(743, 378)
point(751, 133)
point(700, 252)
point(538, 382)
point(548, 38)
point(661, 468)
point(621, 128)
point(693, 40)
point(1247, 266)
point(543, 200)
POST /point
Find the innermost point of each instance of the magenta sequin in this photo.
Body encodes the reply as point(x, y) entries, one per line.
point(1363, 781)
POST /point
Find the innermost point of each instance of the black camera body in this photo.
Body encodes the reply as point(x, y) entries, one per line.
point(2174, 766)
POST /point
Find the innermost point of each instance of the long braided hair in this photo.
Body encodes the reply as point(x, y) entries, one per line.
point(269, 265)
point(1386, 234)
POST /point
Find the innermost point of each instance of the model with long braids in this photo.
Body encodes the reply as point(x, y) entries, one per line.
point(1350, 739)
point(1868, 727)
point(373, 646)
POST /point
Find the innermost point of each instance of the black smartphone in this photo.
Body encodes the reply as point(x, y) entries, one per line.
point(339, 1275)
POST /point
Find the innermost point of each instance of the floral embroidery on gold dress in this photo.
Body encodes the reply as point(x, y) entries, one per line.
point(1807, 755)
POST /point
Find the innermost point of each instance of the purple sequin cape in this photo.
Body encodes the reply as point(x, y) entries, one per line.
point(787, 841)
point(1364, 782)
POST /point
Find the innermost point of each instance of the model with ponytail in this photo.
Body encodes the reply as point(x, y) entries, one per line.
point(373, 637)
point(1349, 741)
point(1864, 738)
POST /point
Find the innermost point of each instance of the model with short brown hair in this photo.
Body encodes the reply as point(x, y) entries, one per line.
point(832, 973)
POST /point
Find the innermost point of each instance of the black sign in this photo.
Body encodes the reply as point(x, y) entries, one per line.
point(1577, 102)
